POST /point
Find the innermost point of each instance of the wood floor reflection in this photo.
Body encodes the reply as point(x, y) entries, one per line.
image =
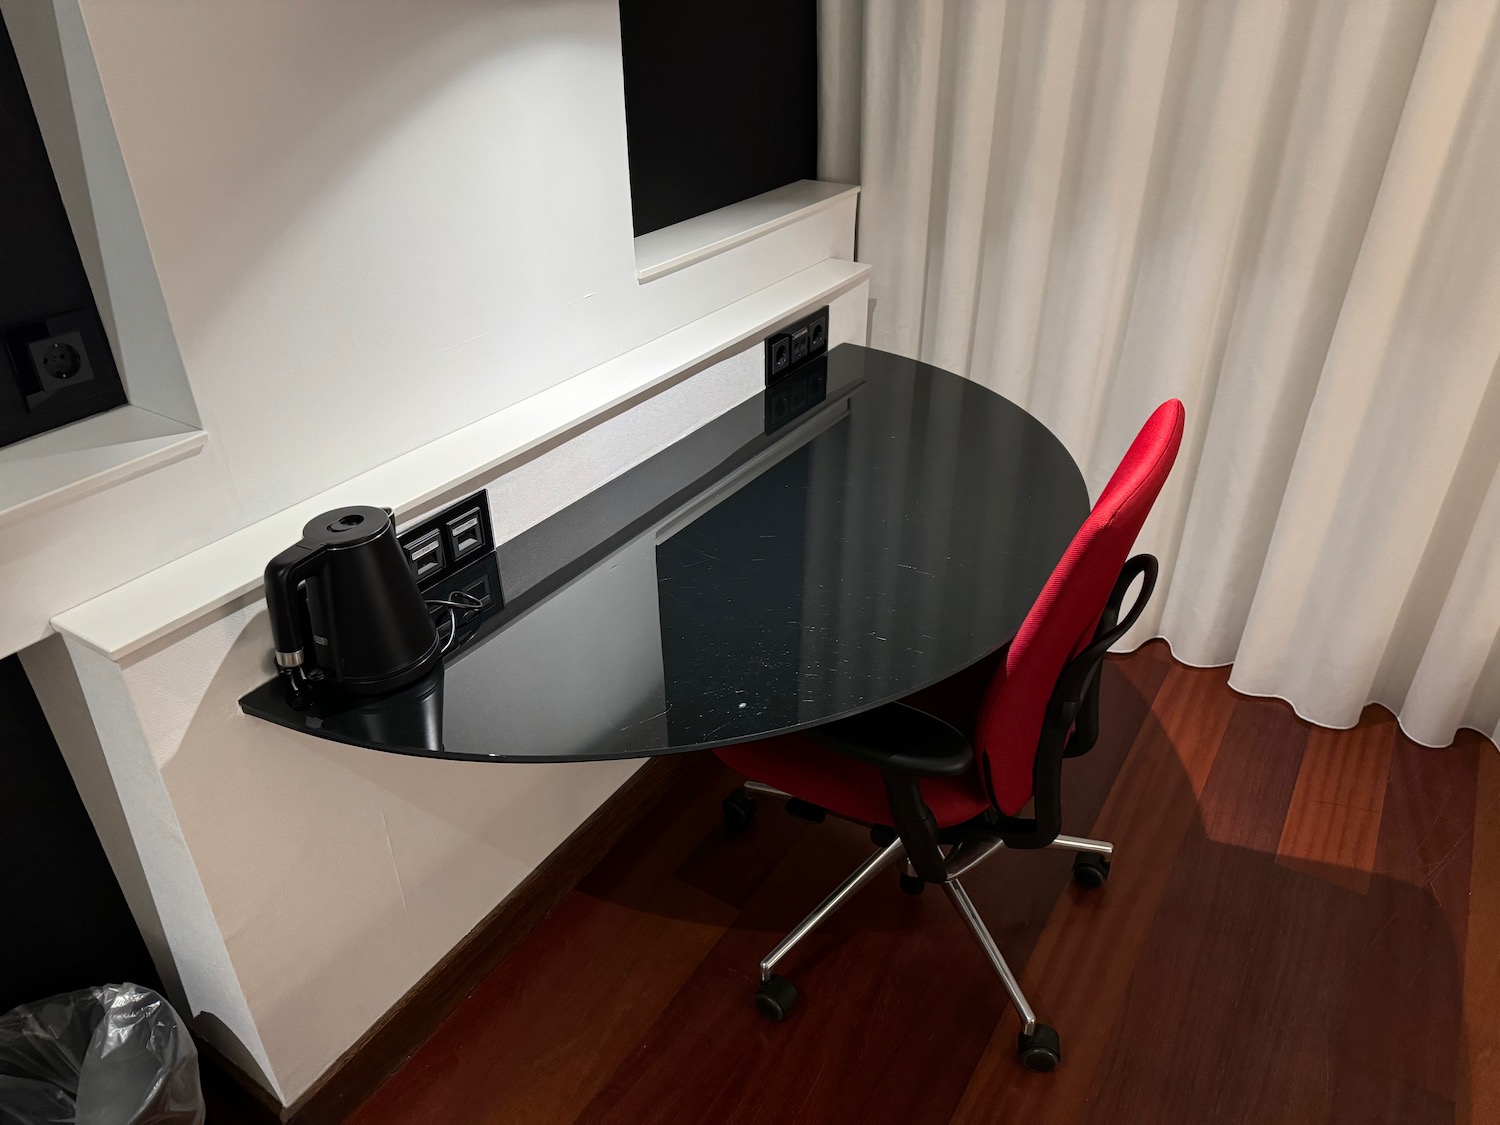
point(1301, 926)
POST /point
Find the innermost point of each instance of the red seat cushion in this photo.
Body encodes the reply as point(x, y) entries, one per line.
point(805, 768)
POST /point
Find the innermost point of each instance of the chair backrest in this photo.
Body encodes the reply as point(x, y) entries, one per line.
point(1066, 613)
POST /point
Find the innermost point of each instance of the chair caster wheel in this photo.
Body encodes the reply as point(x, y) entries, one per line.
point(739, 810)
point(1090, 869)
point(912, 884)
point(775, 998)
point(1040, 1050)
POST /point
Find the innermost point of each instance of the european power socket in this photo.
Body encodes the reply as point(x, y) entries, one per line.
point(789, 348)
point(50, 356)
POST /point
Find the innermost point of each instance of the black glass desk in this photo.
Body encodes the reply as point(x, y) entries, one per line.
point(865, 528)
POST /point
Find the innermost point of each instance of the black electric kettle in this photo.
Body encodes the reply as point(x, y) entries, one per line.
point(349, 588)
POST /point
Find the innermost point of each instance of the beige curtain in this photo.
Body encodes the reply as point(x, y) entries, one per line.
point(1285, 213)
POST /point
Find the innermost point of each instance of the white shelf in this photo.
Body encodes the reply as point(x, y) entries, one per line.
point(680, 245)
point(130, 617)
point(83, 457)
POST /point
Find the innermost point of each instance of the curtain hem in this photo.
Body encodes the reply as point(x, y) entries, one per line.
point(1488, 737)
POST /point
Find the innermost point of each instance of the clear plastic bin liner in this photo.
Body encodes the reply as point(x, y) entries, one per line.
point(100, 1056)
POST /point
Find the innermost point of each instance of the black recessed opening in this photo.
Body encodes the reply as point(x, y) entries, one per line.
point(721, 102)
point(67, 925)
point(55, 361)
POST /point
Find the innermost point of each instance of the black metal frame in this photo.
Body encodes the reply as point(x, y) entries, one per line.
point(908, 745)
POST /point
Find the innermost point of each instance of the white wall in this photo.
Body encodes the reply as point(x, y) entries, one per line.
point(370, 223)
point(297, 888)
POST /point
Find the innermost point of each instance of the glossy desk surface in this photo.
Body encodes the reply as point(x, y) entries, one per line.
point(865, 528)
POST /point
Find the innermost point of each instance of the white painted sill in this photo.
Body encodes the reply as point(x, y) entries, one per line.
point(682, 244)
point(75, 460)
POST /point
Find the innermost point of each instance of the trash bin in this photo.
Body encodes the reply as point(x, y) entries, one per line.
point(111, 1055)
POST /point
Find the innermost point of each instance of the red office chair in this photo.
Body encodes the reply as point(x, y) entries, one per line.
point(916, 780)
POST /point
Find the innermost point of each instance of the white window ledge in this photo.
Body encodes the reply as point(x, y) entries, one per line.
point(54, 468)
point(680, 245)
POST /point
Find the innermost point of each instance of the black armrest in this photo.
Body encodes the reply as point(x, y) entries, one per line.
point(906, 745)
point(1078, 677)
point(900, 738)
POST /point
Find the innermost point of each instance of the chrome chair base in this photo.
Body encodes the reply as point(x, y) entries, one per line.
point(840, 895)
point(1038, 1043)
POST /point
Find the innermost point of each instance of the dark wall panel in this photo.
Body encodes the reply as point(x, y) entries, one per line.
point(65, 920)
point(721, 102)
point(44, 293)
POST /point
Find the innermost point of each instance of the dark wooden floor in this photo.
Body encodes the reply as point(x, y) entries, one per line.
point(1301, 926)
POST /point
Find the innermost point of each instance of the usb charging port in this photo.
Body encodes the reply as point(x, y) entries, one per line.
point(458, 536)
point(426, 555)
point(465, 534)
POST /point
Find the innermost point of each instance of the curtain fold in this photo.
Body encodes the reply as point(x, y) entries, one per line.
point(1286, 213)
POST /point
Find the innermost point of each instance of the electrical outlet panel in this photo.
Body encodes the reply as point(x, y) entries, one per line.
point(443, 544)
point(793, 346)
point(60, 368)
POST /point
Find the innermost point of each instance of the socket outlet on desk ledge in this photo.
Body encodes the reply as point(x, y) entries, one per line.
point(445, 543)
point(791, 347)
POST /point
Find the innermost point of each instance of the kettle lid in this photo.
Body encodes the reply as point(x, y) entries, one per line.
point(347, 527)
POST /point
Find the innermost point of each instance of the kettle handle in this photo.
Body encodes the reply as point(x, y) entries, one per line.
point(283, 573)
